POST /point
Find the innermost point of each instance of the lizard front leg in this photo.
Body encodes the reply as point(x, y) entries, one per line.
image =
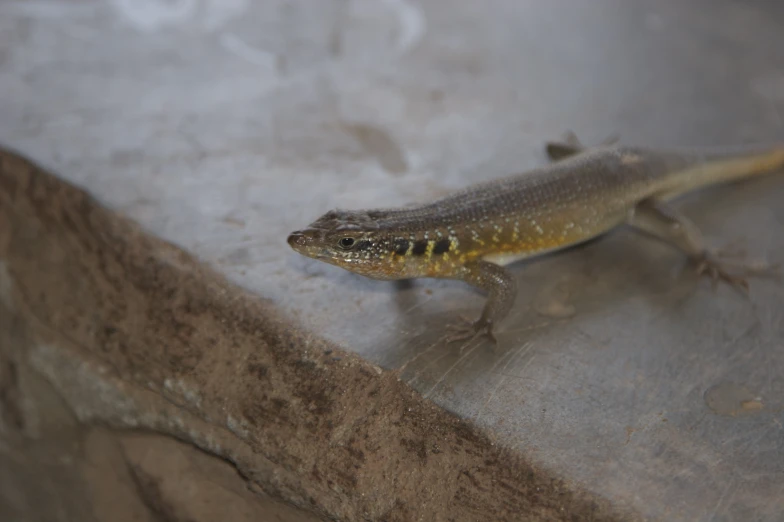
point(501, 288)
point(663, 222)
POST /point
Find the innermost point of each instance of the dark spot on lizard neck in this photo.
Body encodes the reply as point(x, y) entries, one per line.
point(401, 246)
point(441, 246)
point(420, 247)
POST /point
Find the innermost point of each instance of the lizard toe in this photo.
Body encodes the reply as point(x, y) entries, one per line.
point(467, 329)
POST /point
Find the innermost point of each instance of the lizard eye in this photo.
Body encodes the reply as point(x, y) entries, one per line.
point(346, 242)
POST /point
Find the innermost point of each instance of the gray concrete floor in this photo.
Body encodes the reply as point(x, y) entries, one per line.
point(222, 126)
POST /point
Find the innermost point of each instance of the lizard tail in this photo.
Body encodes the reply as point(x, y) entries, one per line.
point(713, 170)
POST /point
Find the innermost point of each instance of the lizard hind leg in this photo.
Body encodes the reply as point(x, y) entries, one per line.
point(570, 145)
point(660, 221)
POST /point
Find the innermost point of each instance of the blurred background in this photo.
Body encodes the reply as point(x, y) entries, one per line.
point(222, 125)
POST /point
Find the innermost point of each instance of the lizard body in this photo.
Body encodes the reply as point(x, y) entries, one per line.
point(471, 234)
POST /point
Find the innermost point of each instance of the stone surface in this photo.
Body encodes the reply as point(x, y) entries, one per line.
point(104, 326)
point(222, 126)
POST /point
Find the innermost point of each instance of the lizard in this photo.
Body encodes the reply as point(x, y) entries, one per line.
point(585, 192)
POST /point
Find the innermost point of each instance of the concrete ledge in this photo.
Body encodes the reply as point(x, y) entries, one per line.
point(103, 325)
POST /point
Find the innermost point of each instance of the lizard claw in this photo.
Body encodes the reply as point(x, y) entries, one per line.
point(708, 265)
point(717, 272)
point(468, 330)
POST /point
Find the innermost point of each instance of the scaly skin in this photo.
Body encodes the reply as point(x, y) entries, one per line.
point(471, 234)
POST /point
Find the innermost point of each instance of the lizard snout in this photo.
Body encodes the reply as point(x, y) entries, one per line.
point(297, 239)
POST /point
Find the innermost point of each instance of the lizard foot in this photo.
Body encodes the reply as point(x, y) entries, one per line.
point(468, 329)
point(735, 274)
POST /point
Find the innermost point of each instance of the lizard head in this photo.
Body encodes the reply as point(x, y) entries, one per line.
point(349, 239)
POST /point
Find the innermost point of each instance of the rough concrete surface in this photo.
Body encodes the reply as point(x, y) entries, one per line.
point(220, 126)
point(104, 326)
